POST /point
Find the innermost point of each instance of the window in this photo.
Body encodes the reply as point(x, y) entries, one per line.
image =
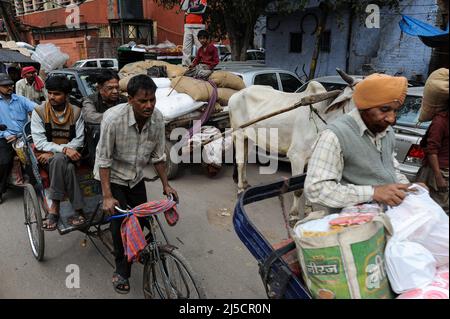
point(409, 113)
point(289, 82)
point(251, 56)
point(260, 56)
point(296, 43)
point(107, 63)
point(325, 41)
point(269, 79)
point(91, 64)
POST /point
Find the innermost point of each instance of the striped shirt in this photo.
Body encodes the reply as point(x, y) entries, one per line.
point(124, 150)
point(322, 185)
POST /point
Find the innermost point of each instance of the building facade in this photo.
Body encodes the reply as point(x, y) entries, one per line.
point(348, 43)
point(96, 28)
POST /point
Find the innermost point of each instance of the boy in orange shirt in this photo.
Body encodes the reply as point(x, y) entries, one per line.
point(194, 22)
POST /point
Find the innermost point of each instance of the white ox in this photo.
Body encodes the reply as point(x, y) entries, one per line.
point(298, 130)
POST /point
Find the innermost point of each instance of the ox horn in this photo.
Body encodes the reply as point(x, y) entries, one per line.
point(347, 78)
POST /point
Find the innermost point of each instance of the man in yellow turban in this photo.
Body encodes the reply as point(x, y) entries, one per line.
point(354, 159)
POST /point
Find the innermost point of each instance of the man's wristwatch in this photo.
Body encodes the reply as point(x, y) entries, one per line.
point(64, 150)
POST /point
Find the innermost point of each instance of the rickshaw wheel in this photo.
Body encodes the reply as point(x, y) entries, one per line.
point(33, 221)
point(171, 167)
point(171, 277)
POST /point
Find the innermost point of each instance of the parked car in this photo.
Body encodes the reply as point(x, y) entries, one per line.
point(83, 82)
point(97, 63)
point(252, 55)
point(254, 74)
point(408, 132)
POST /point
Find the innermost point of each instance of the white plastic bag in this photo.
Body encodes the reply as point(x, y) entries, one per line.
point(176, 105)
point(162, 83)
point(409, 265)
point(421, 220)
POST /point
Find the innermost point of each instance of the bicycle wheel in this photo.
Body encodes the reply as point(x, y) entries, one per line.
point(33, 222)
point(171, 277)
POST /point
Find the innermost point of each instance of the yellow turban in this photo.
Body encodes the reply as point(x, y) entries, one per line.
point(379, 90)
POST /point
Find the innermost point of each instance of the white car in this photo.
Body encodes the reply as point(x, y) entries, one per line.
point(107, 63)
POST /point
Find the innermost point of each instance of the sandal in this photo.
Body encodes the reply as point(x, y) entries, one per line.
point(77, 220)
point(120, 284)
point(51, 223)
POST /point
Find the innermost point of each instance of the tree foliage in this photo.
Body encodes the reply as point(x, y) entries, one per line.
point(236, 19)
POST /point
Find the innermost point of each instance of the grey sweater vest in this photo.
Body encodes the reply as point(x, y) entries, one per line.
point(363, 163)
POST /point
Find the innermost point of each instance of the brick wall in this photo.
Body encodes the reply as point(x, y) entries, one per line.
point(74, 47)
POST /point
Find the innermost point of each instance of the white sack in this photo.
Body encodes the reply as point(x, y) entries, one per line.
point(176, 105)
point(162, 83)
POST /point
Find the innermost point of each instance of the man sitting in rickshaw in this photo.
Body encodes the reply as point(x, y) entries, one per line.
point(95, 105)
point(14, 111)
point(58, 135)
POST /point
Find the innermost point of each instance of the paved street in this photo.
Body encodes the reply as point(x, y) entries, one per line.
point(204, 234)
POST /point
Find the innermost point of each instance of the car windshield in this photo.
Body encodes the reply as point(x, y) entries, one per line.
point(88, 83)
point(77, 64)
point(409, 113)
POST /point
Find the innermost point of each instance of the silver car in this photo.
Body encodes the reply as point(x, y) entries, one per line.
point(257, 74)
point(408, 131)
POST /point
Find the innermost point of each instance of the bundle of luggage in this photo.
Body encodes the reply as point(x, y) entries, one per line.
point(178, 95)
point(365, 253)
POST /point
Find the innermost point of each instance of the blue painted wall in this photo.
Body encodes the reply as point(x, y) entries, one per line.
point(383, 50)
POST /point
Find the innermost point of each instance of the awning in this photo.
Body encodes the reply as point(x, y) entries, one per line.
point(11, 56)
point(430, 35)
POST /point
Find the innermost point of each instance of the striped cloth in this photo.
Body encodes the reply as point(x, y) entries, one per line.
point(132, 236)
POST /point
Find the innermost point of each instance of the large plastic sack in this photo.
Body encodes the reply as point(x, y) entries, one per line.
point(421, 220)
point(162, 93)
point(409, 265)
point(162, 83)
point(346, 263)
point(197, 89)
point(438, 289)
point(228, 80)
point(435, 95)
point(49, 56)
point(176, 105)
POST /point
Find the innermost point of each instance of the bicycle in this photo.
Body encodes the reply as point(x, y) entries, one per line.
point(167, 274)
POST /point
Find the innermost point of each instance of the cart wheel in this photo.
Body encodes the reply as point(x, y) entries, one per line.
point(33, 221)
point(171, 167)
point(171, 277)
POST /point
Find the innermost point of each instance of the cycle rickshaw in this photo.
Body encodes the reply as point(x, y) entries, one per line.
point(167, 274)
point(280, 278)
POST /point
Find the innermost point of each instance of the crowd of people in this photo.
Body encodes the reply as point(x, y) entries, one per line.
point(129, 133)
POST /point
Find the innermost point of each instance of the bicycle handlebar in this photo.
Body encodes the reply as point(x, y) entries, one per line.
point(127, 212)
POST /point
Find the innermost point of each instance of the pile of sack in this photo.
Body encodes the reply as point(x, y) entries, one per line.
point(435, 95)
point(200, 91)
point(226, 82)
point(364, 253)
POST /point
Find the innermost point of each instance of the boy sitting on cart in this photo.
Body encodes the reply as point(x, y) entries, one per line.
point(58, 135)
